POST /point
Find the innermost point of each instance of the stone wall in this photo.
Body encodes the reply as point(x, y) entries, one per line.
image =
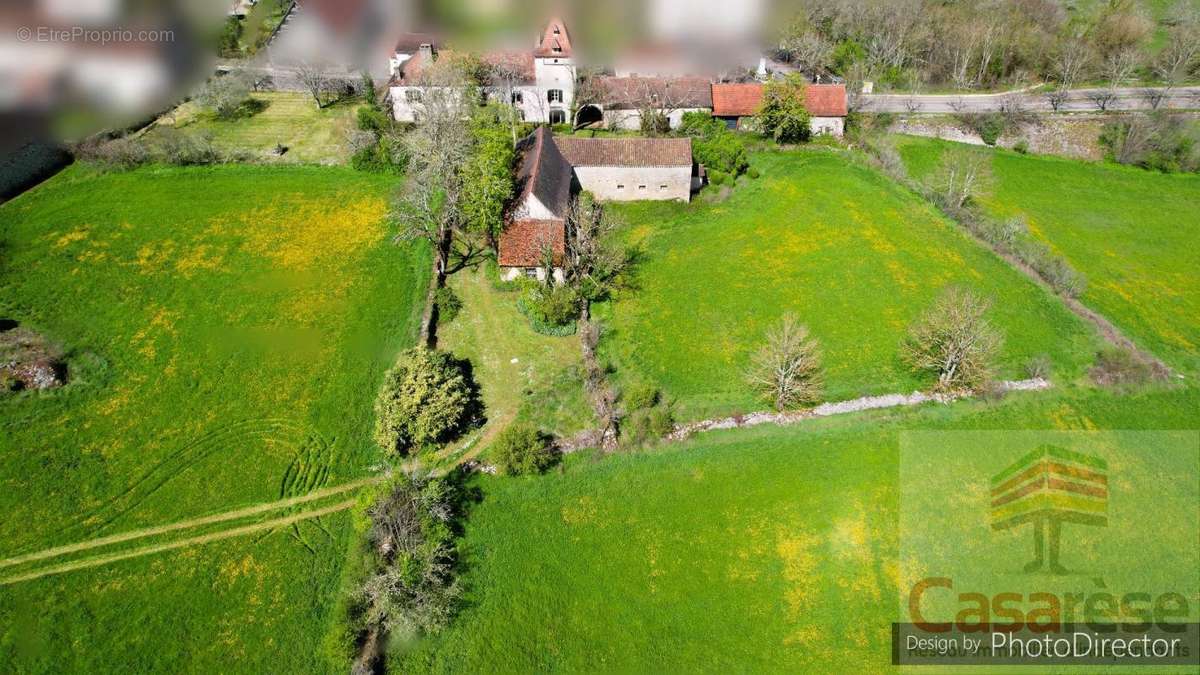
point(629, 183)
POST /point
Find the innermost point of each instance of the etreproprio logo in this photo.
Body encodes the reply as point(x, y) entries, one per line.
point(1115, 523)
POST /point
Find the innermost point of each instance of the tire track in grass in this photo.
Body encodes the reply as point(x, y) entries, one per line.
point(182, 543)
point(188, 524)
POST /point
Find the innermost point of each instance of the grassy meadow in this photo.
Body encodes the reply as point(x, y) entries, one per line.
point(226, 331)
point(854, 256)
point(1132, 233)
point(521, 374)
point(755, 550)
point(312, 135)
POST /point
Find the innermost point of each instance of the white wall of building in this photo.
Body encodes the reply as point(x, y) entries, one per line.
point(539, 273)
point(833, 126)
point(630, 183)
point(632, 119)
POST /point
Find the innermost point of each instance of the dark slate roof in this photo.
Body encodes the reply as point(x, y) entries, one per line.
point(544, 173)
point(626, 151)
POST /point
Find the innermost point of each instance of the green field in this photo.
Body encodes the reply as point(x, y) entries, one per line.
point(854, 256)
point(521, 374)
point(312, 135)
point(764, 550)
point(227, 329)
point(1132, 233)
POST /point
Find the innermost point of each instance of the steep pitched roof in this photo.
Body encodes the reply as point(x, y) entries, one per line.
point(544, 173)
point(523, 241)
point(738, 100)
point(554, 40)
point(626, 151)
point(630, 93)
point(409, 43)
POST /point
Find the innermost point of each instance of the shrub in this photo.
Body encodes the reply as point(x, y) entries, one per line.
point(787, 369)
point(1038, 367)
point(753, 173)
point(640, 395)
point(1159, 141)
point(118, 153)
point(548, 305)
point(700, 124)
point(1021, 146)
point(428, 397)
point(653, 122)
point(224, 95)
point(955, 340)
point(184, 149)
point(723, 151)
point(373, 119)
point(522, 449)
point(448, 304)
point(990, 128)
point(717, 177)
point(647, 426)
point(1117, 367)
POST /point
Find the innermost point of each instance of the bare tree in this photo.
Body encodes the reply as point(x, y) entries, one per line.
point(1102, 98)
point(505, 78)
point(654, 100)
point(595, 261)
point(1119, 66)
point(1056, 98)
point(955, 340)
point(430, 206)
point(961, 177)
point(810, 52)
point(958, 104)
point(316, 79)
point(1178, 58)
point(912, 104)
point(1154, 96)
point(1071, 62)
point(787, 369)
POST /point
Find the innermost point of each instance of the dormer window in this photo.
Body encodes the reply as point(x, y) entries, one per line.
point(556, 31)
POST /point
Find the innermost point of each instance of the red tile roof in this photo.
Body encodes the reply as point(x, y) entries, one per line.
point(626, 151)
point(739, 100)
point(523, 241)
point(553, 43)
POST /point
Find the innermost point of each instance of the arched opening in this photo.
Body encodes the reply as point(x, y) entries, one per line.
point(588, 115)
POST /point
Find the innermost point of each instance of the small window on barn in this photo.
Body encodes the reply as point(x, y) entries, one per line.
point(641, 187)
point(530, 272)
point(662, 186)
point(620, 186)
point(412, 95)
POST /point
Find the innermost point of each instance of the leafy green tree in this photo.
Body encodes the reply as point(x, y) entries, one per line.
point(428, 397)
point(522, 449)
point(487, 175)
point(782, 114)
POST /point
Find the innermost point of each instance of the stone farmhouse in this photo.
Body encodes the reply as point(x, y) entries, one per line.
point(540, 82)
point(552, 169)
point(826, 103)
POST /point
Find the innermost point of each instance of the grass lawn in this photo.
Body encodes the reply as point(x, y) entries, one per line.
point(1133, 233)
point(854, 256)
point(227, 330)
point(760, 550)
point(311, 135)
point(521, 374)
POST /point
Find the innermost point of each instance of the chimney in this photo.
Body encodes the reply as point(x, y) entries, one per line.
point(426, 51)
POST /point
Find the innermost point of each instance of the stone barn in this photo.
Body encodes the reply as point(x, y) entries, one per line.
point(552, 169)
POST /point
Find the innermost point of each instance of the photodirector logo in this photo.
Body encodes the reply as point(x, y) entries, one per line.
point(1109, 580)
point(1046, 488)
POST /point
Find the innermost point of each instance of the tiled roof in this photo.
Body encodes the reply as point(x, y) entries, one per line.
point(410, 43)
point(523, 241)
point(626, 151)
point(518, 62)
point(630, 93)
point(544, 173)
point(553, 43)
point(738, 100)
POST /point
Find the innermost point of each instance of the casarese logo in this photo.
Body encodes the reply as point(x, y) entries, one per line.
point(1047, 488)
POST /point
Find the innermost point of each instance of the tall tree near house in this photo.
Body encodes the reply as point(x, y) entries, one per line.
point(782, 114)
point(595, 262)
point(488, 174)
point(430, 205)
point(504, 78)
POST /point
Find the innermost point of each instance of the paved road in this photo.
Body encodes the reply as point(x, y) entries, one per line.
point(1078, 100)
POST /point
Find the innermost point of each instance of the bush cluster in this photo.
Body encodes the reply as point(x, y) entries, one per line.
point(166, 146)
point(647, 418)
point(551, 310)
point(448, 304)
point(714, 145)
point(428, 397)
point(522, 449)
point(1161, 142)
